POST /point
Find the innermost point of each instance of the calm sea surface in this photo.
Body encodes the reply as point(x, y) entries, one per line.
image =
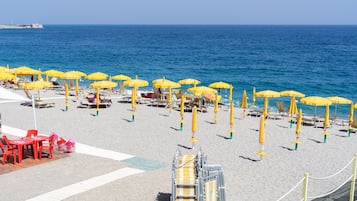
point(315, 60)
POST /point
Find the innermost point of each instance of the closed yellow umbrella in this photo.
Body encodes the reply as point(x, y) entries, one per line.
point(97, 76)
point(66, 96)
point(261, 152)
point(230, 98)
point(244, 102)
point(351, 118)
point(77, 89)
point(253, 97)
point(97, 99)
point(231, 120)
point(133, 103)
point(182, 110)
point(215, 108)
point(293, 106)
point(298, 131)
point(326, 122)
point(194, 126)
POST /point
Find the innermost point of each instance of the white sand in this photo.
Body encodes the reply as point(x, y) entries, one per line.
point(154, 136)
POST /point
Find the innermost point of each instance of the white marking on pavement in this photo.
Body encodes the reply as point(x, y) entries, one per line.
point(80, 187)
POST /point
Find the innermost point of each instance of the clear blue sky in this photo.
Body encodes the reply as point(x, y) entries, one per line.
point(179, 11)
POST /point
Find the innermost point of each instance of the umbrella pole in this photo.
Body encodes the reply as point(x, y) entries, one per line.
point(181, 123)
point(34, 111)
point(325, 134)
point(297, 143)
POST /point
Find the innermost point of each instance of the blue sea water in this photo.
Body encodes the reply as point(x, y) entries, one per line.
point(315, 60)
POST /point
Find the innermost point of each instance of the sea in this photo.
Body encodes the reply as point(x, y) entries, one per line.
point(314, 60)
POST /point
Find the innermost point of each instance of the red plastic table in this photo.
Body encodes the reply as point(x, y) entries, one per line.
point(20, 143)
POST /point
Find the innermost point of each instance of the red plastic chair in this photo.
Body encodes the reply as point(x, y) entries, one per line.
point(32, 133)
point(7, 151)
point(8, 143)
point(47, 145)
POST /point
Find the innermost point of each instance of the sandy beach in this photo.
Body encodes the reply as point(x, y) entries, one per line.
point(154, 137)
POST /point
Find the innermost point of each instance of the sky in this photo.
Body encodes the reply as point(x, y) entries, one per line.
point(179, 12)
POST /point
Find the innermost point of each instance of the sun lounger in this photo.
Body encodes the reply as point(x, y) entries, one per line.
point(86, 104)
point(255, 113)
point(39, 104)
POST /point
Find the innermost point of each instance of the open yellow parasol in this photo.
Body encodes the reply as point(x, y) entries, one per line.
point(197, 91)
point(136, 83)
point(189, 81)
point(97, 76)
point(293, 95)
point(26, 71)
point(103, 85)
point(220, 85)
point(37, 85)
point(182, 110)
point(121, 77)
point(267, 94)
point(338, 100)
point(53, 73)
point(7, 76)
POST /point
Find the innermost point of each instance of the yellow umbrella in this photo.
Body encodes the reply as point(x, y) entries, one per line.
point(165, 84)
point(292, 93)
point(231, 120)
point(37, 85)
point(53, 73)
point(103, 85)
point(77, 89)
point(97, 76)
point(197, 91)
point(121, 77)
point(71, 75)
point(338, 100)
point(351, 118)
point(244, 102)
point(315, 101)
point(136, 83)
point(355, 106)
point(267, 94)
point(66, 96)
point(253, 96)
point(97, 100)
point(182, 110)
point(220, 85)
point(25, 71)
point(78, 73)
point(194, 126)
point(6, 76)
point(261, 152)
point(298, 127)
point(189, 81)
point(230, 98)
point(215, 108)
point(327, 116)
point(293, 106)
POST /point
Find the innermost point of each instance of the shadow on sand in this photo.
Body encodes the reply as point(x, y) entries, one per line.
point(210, 122)
point(126, 120)
point(317, 141)
point(250, 159)
point(176, 129)
point(183, 146)
point(163, 196)
point(287, 148)
point(224, 137)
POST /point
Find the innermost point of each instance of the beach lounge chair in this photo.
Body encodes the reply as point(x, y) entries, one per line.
point(38, 102)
